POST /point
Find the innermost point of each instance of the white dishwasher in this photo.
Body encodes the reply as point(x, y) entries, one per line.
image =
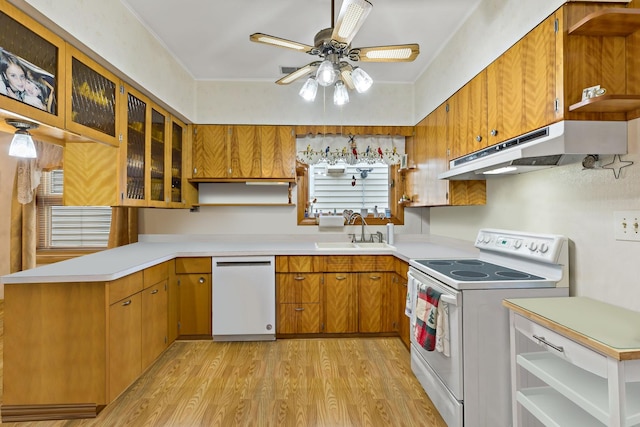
point(243, 298)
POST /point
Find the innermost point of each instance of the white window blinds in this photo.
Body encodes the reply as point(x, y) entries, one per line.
point(62, 227)
point(360, 186)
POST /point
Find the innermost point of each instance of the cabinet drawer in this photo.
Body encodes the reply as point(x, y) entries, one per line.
point(193, 265)
point(572, 352)
point(299, 263)
point(298, 287)
point(125, 286)
point(155, 274)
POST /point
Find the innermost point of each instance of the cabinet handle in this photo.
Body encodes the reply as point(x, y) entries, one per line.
point(479, 138)
point(155, 291)
point(201, 280)
point(374, 277)
point(299, 278)
point(300, 309)
point(494, 132)
point(543, 341)
point(340, 277)
point(126, 303)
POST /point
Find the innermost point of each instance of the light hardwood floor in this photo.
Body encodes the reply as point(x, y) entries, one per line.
point(335, 382)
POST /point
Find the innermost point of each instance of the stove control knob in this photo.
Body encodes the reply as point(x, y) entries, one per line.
point(533, 246)
point(480, 238)
point(487, 239)
point(517, 244)
point(544, 247)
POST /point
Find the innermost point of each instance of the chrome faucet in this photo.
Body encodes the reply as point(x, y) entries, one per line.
point(352, 219)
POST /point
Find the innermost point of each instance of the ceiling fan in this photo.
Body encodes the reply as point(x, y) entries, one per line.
point(333, 47)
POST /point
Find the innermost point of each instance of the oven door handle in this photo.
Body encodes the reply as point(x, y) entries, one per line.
point(449, 299)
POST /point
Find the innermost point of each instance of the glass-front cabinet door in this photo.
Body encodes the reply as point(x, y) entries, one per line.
point(31, 75)
point(92, 109)
point(133, 150)
point(178, 133)
point(158, 158)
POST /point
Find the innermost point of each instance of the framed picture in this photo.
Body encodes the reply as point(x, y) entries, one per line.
point(403, 161)
point(27, 83)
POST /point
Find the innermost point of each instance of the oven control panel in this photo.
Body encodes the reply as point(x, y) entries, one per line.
point(541, 247)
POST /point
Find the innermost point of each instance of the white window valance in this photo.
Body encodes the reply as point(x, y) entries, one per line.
point(313, 149)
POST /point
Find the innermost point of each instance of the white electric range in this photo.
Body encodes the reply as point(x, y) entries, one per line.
point(471, 386)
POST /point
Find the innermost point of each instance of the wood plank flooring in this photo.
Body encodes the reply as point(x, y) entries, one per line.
point(335, 382)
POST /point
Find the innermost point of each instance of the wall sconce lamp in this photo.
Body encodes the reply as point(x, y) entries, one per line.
point(22, 144)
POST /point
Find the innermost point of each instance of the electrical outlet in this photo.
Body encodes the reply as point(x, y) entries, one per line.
point(627, 225)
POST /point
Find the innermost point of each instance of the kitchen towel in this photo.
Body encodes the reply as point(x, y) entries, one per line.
point(409, 309)
point(426, 317)
point(442, 329)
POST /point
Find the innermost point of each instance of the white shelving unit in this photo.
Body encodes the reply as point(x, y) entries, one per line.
point(567, 375)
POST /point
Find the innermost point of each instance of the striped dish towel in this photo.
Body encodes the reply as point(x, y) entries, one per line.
point(426, 317)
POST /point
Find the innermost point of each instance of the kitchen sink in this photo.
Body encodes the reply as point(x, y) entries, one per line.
point(354, 246)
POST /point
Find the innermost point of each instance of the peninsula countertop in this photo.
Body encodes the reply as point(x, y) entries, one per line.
point(115, 263)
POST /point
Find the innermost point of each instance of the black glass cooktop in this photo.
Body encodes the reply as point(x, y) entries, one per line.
point(473, 270)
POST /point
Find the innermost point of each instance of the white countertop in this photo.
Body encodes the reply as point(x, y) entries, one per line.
point(151, 250)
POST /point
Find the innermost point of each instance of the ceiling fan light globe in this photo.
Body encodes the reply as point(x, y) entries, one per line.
point(326, 74)
point(361, 80)
point(22, 145)
point(309, 89)
point(340, 94)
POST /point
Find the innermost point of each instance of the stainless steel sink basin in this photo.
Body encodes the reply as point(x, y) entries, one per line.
point(353, 246)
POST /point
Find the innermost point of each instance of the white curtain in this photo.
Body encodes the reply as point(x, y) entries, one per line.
point(29, 171)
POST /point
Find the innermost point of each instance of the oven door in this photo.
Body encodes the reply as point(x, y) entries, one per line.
point(448, 369)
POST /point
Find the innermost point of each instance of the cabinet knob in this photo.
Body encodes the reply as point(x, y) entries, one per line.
point(195, 170)
point(479, 138)
point(201, 280)
point(494, 132)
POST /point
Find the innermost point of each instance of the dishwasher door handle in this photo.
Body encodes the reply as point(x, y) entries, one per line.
point(242, 263)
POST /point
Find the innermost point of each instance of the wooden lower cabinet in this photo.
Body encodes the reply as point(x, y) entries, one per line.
point(341, 302)
point(125, 343)
point(376, 303)
point(154, 321)
point(298, 297)
point(194, 286)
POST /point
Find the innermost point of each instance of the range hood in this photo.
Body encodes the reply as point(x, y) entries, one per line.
point(554, 145)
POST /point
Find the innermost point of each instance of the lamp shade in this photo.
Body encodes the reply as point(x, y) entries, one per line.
point(340, 94)
point(326, 74)
point(22, 145)
point(361, 80)
point(309, 89)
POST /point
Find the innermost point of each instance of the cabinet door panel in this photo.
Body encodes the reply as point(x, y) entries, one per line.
point(278, 151)
point(244, 152)
point(341, 303)
point(125, 336)
point(521, 85)
point(308, 318)
point(210, 152)
point(195, 304)
point(370, 299)
point(154, 322)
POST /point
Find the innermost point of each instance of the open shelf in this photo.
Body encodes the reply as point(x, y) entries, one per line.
point(553, 409)
point(585, 389)
point(607, 104)
point(615, 21)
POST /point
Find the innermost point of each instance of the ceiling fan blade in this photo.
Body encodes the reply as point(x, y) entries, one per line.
point(345, 74)
point(392, 53)
point(299, 73)
point(352, 15)
point(279, 42)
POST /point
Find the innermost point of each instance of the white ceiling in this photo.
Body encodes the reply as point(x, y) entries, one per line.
point(210, 38)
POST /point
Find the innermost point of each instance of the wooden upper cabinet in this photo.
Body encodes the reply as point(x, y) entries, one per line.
point(39, 55)
point(467, 121)
point(93, 105)
point(243, 152)
point(277, 152)
point(521, 85)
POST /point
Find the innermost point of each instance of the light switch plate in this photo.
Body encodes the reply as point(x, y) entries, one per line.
point(626, 225)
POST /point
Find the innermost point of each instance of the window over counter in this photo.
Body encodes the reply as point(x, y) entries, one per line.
point(346, 172)
point(68, 227)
